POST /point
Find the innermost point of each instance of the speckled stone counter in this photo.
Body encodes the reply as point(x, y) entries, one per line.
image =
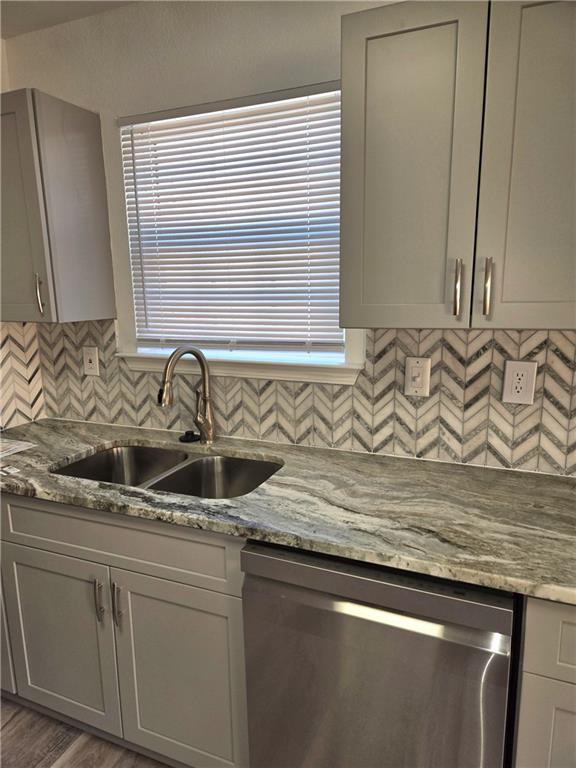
point(497, 528)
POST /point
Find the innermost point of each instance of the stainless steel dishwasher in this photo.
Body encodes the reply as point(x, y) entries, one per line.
point(349, 666)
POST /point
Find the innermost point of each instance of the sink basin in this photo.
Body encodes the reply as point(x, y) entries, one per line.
point(127, 464)
point(217, 477)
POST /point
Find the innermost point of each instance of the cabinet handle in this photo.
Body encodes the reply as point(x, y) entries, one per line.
point(457, 300)
point(38, 294)
point(97, 585)
point(487, 303)
point(116, 612)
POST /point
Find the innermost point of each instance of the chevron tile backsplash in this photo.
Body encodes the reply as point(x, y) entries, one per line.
point(463, 420)
point(21, 393)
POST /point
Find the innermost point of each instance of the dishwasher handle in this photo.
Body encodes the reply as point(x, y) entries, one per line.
point(494, 643)
point(441, 603)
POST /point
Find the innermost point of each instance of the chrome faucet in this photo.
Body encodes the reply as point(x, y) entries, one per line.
point(204, 418)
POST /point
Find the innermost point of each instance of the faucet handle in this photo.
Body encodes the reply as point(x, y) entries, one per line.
point(160, 395)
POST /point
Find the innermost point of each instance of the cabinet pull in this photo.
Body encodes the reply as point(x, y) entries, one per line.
point(457, 302)
point(38, 294)
point(116, 612)
point(97, 585)
point(487, 302)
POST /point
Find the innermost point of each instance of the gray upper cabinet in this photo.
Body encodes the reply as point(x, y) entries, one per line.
point(418, 243)
point(527, 213)
point(63, 645)
point(26, 272)
point(412, 91)
point(56, 260)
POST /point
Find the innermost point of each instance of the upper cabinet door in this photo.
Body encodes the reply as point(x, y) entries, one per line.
point(70, 145)
point(412, 92)
point(527, 211)
point(56, 258)
point(26, 278)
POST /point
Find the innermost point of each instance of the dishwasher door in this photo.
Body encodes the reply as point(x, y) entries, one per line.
point(352, 667)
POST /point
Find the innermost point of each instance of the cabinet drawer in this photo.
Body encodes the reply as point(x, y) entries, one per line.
point(550, 640)
point(207, 560)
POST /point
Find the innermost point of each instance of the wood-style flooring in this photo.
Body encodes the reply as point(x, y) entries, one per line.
point(31, 740)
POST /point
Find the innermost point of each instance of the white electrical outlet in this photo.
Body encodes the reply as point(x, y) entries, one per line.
point(91, 362)
point(519, 382)
point(417, 380)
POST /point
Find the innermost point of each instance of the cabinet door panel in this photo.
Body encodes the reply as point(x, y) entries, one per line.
point(181, 670)
point(70, 146)
point(550, 640)
point(24, 238)
point(63, 656)
point(547, 724)
point(7, 669)
point(412, 84)
point(527, 212)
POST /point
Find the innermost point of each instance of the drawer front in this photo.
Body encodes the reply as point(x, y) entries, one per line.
point(550, 640)
point(201, 559)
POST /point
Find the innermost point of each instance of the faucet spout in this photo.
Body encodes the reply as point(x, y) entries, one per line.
point(204, 418)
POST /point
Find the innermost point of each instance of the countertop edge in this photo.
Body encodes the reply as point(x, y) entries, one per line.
point(198, 521)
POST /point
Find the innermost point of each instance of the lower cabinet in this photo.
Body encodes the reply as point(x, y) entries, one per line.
point(62, 640)
point(547, 717)
point(181, 668)
point(547, 725)
point(7, 681)
point(157, 662)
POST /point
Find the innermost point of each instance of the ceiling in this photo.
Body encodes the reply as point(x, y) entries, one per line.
point(21, 16)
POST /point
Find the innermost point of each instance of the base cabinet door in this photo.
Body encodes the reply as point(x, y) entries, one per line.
point(62, 634)
point(7, 681)
point(547, 724)
point(181, 670)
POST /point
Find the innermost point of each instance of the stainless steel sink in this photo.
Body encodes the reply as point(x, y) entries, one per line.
point(217, 477)
point(126, 464)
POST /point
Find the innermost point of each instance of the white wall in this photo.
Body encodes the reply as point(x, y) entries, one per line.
point(158, 55)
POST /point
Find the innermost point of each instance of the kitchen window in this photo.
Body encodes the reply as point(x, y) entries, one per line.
point(233, 218)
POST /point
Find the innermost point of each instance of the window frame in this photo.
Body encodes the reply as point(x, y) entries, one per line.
point(222, 361)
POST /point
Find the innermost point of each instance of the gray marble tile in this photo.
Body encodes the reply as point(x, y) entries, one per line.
point(464, 420)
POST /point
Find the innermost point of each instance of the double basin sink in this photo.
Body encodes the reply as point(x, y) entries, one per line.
point(171, 470)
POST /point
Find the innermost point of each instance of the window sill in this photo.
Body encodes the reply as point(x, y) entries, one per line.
point(222, 364)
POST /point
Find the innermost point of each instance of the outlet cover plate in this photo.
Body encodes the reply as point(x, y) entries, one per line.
point(417, 379)
point(91, 361)
point(519, 382)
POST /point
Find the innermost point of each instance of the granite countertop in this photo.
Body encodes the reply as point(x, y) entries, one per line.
point(514, 531)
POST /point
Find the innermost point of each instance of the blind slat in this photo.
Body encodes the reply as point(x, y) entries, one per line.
point(233, 221)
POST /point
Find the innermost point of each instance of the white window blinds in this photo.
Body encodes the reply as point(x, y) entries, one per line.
point(233, 219)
